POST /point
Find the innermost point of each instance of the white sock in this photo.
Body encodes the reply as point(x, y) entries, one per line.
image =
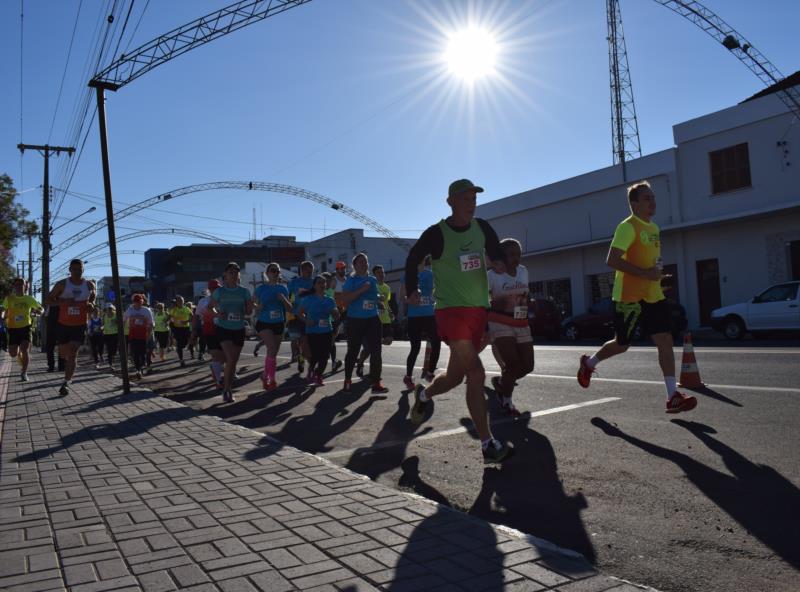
point(423, 396)
point(593, 361)
point(672, 385)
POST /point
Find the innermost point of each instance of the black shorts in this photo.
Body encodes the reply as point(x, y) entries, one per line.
point(19, 335)
point(387, 330)
point(212, 342)
point(296, 326)
point(420, 328)
point(234, 335)
point(163, 338)
point(652, 317)
point(69, 334)
point(276, 328)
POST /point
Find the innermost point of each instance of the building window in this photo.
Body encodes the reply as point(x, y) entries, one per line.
point(730, 168)
point(558, 291)
point(600, 286)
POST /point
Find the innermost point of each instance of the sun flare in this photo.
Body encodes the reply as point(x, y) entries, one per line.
point(471, 54)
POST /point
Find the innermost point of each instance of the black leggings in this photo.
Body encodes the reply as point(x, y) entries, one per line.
point(419, 327)
point(163, 339)
point(181, 337)
point(320, 346)
point(368, 332)
point(112, 344)
point(139, 352)
point(96, 341)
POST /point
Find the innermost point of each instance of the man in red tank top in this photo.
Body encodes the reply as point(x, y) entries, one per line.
point(74, 297)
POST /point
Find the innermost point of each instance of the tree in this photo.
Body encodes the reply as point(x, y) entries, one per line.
point(14, 225)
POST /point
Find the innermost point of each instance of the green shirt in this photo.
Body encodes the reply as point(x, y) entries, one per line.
point(385, 295)
point(110, 324)
point(459, 275)
point(161, 320)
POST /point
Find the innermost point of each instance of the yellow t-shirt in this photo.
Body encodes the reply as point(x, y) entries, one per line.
point(642, 245)
point(18, 310)
point(180, 316)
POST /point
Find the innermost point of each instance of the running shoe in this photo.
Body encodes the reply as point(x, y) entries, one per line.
point(201, 357)
point(24, 377)
point(419, 408)
point(337, 364)
point(585, 373)
point(265, 381)
point(510, 410)
point(680, 402)
point(494, 454)
point(138, 375)
point(310, 378)
point(360, 370)
point(162, 356)
point(214, 378)
point(318, 380)
point(183, 363)
point(64, 390)
point(409, 382)
point(227, 397)
point(379, 389)
point(348, 386)
point(255, 352)
point(429, 376)
point(272, 386)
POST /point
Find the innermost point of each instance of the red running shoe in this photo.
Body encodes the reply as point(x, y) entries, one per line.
point(680, 402)
point(409, 382)
point(318, 380)
point(379, 389)
point(585, 373)
point(348, 386)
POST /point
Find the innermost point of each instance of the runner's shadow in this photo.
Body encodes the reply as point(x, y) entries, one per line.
point(270, 411)
point(759, 498)
point(526, 493)
point(711, 393)
point(374, 462)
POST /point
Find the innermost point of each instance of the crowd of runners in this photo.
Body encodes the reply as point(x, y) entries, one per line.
point(462, 286)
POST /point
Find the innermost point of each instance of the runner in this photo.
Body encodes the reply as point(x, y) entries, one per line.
point(299, 287)
point(421, 322)
point(330, 292)
point(458, 247)
point(74, 297)
point(316, 311)
point(110, 333)
point(209, 334)
point(508, 324)
point(190, 342)
point(635, 255)
point(18, 309)
point(230, 303)
point(384, 314)
point(180, 316)
point(140, 320)
point(272, 302)
point(360, 295)
point(161, 329)
point(96, 337)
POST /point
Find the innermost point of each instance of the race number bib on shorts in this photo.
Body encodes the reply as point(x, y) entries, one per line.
point(368, 305)
point(275, 315)
point(520, 312)
point(470, 262)
point(234, 316)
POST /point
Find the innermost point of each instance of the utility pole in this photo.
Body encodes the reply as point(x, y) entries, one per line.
point(30, 263)
point(46, 151)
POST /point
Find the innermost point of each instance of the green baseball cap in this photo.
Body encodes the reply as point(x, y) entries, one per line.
point(462, 186)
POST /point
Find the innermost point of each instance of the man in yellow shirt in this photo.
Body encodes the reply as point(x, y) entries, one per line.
point(635, 255)
point(180, 317)
point(17, 310)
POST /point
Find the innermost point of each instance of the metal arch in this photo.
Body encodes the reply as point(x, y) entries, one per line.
point(733, 41)
point(140, 233)
point(185, 38)
point(239, 185)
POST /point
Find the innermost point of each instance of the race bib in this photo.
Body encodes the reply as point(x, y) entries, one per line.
point(234, 316)
point(138, 322)
point(324, 324)
point(73, 311)
point(19, 318)
point(368, 305)
point(425, 301)
point(520, 312)
point(470, 262)
point(275, 315)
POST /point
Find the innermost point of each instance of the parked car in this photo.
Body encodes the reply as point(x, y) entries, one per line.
point(598, 322)
point(544, 319)
point(775, 309)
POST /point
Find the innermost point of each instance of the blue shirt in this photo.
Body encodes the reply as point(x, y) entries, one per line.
point(272, 308)
point(426, 302)
point(232, 302)
point(366, 305)
point(298, 285)
point(318, 310)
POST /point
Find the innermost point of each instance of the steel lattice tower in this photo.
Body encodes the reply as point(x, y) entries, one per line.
point(624, 127)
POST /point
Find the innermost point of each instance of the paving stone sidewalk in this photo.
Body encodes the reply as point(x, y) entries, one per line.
point(103, 491)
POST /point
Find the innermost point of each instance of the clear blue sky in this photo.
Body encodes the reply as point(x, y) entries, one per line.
point(350, 99)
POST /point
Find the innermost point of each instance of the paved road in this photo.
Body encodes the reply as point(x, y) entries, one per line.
point(707, 500)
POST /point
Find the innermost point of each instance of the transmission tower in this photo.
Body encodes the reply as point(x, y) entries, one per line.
point(624, 128)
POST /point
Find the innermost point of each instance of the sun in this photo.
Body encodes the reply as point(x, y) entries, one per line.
point(471, 53)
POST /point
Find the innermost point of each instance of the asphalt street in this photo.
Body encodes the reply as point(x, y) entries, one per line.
point(703, 500)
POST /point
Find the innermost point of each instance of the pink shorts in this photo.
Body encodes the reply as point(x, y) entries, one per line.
point(462, 323)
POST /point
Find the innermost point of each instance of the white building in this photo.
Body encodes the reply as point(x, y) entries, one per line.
point(728, 196)
point(344, 245)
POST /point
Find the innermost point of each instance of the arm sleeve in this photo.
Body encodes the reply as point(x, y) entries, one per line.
point(430, 243)
point(492, 244)
point(624, 236)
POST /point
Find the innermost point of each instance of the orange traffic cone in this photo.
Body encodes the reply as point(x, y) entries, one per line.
point(690, 373)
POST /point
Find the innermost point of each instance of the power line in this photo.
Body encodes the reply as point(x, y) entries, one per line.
point(64, 75)
point(122, 32)
point(136, 28)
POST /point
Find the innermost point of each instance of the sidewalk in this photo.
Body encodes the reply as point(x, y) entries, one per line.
point(102, 491)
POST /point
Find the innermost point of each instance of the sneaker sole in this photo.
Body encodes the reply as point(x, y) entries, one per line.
point(685, 406)
point(494, 461)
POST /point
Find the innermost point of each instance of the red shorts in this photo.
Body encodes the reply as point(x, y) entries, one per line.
point(462, 322)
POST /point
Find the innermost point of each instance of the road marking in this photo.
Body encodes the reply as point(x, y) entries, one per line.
point(790, 350)
point(462, 429)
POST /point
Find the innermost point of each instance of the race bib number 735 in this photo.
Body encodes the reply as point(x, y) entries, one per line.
point(470, 262)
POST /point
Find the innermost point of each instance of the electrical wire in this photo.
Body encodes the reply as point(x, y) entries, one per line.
point(122, 32)
point(64, 75)
point(136, 28)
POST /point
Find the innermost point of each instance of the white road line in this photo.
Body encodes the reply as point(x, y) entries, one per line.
point(462, 429)
point(790, 350)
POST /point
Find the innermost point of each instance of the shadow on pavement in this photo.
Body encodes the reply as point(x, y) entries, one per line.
point(526, 493)
point(374, 462)
point(711, 393)
point(759, 498)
